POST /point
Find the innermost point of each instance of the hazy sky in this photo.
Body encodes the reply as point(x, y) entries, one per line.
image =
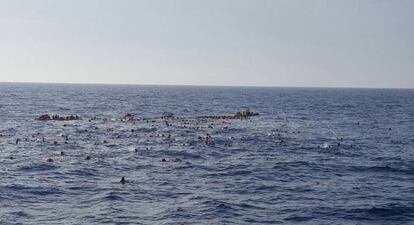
point(331, 43)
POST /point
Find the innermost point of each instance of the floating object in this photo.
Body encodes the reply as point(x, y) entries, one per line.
point(133, 149)
point(325, 145)
point(128, 117)
point(171, 159)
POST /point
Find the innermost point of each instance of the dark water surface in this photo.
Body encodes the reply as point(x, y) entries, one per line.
point(312, 156)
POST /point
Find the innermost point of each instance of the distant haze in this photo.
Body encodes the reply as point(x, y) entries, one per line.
point(309, 43)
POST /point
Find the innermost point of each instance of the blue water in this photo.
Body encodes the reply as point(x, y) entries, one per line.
point(312, 156)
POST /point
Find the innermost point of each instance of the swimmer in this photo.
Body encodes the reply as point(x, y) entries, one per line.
point(88, 157)
point(122, 181)
point(49, 160)
point(17, 141)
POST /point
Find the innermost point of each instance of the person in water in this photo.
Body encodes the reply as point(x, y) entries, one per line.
point(122, 181)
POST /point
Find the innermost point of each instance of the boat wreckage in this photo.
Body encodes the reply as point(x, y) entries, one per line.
point(239, 115)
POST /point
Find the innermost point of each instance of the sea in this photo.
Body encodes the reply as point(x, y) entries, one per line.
point(311, 155)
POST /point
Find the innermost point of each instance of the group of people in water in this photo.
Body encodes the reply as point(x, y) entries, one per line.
point(46, 117)
point(169, 119)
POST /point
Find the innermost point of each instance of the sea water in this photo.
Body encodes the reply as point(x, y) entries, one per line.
point(311, 156)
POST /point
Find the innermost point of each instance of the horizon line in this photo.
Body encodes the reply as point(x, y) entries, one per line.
point(200, 85)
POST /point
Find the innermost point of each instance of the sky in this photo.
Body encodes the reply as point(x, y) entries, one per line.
point(300, 43)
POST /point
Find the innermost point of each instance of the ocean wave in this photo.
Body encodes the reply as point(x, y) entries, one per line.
point(36, 167)
point(384, 169)
point(391, 211)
